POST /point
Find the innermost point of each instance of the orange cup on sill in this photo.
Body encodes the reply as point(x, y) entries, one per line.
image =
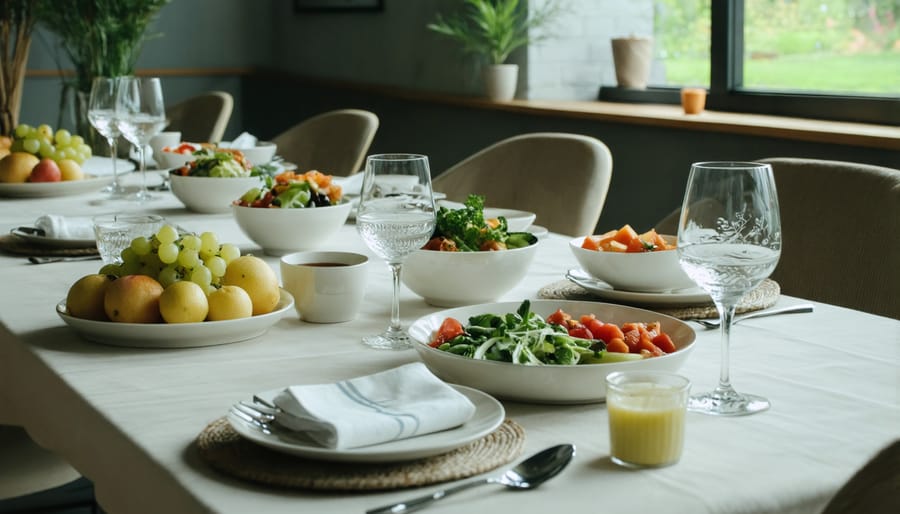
point(693, 100)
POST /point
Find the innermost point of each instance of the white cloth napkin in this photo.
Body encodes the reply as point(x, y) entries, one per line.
point(66, 227)
point(244, 140)
point(395, 404)
point(351, 185)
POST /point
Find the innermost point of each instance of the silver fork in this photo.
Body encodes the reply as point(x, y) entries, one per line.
point(803, 307)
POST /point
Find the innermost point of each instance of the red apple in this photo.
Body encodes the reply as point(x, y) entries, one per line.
point(45, 171)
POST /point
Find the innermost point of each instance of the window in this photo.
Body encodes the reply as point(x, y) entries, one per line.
point(827, 59)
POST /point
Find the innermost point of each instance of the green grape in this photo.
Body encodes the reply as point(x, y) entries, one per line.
point(201, 276)
point(111, 269)
point(190, 242)
point(216, 266)
point(168, 253)
point(85, 149)
point(31, 145)
point(18, 145)
point(188, 258)
point(45, 131)
point(141, 245)
point(131, 267)
point(63, 137)
point(149, 270)
point(46, 149)
point(128, 255)
point(76, 141)
point(168, 276)
point(22, 130)
point(229, 252)
point(209, 244)
point(167, 234)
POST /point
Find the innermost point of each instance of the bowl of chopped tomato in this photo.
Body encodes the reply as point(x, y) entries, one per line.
point(548, 351)
point(292, 212)
point(629, 261)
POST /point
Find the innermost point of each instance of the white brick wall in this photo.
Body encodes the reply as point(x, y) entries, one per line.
point(578, 60)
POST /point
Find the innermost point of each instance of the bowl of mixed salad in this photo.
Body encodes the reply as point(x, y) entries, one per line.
point(213, 179)
point(469, 259)
point(548, 351)
point(291, 211)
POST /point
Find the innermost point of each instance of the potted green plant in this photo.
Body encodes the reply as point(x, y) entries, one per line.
point(492, 30)
point(102, 38)
point(17, 19)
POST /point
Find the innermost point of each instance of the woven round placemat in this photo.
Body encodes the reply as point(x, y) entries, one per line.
point(11, 243)
point(763, 296)
point(228, 452)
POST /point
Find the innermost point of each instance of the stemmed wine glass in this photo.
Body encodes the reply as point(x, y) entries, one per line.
point(395, 217)
point(102, 115)
point(729, 241)
point(141, 115)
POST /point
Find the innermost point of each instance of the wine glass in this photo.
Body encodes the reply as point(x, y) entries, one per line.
point(729, 241)
point(141, 115)
point(395, 217)
point(102, 115)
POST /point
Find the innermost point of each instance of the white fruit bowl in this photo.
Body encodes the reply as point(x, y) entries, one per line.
point(644, 272)
point(262, 153)
point(281, 231)
point(210, 194)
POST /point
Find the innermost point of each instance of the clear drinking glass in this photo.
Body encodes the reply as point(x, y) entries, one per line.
point(114, 232)
point(141, 115)
point(102, 115)
point(729, 241)
point(395, 217)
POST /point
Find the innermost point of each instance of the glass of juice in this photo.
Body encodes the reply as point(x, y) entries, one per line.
point(646, 417)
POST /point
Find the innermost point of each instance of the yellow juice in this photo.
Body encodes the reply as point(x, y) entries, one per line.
point(646, 424)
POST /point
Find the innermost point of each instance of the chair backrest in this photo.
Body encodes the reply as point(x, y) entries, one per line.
point(840, 226)
point(563, 178)
point(202, 118)
point(333, 142)
point(26, 468)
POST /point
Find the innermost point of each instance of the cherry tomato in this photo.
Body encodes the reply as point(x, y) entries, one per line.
point(559, 318)
point(617, 345)
point(633, 339)
point(580, 331)
point(664, 342)
point(608, 332)
point(449, 329)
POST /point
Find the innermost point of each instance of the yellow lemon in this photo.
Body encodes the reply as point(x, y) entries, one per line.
point(257, 278)
point(183, 302)
point(85, 297)
point(17, 166)
point(229, 302)
point(70, 170)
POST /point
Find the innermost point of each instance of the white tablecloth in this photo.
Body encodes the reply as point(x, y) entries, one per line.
point(126, 418)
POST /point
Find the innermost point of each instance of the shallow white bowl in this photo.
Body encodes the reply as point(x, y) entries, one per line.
point(282, 231)
point(168, 160)
point(646, 272)
point(448, 279)
point(516, 221)
point(210, 194)
point(262, 153)
point(584, 383)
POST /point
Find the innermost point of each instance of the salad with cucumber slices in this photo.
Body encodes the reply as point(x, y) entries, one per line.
point(523, 337)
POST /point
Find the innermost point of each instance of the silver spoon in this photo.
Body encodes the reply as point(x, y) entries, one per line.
point(528, 474)
point(47, 260)
point(803, 307)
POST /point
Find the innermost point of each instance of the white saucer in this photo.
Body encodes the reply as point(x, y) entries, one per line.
point(605, 291)
point(489, 414)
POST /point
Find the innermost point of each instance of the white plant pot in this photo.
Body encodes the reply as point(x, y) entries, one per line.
point(500, 81)
point(632, 57)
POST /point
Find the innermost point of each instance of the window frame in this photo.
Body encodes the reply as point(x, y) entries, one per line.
point(726, 92)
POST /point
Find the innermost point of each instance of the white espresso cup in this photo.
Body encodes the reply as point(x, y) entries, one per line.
point(328, 287)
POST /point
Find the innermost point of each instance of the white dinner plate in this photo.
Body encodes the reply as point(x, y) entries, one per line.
point(176, 335)
point(489, 414)
point(31, 235)
point(599, 288)
point(547, 383)
point(97, 174)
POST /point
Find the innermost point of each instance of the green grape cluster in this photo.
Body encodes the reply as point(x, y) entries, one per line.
point(43, 142)
point(169, 257)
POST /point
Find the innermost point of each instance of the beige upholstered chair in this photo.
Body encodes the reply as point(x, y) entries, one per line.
point(563, 178)
point(840, 225)
point(874, 489)
point(28, 472)
point(333, 142)
point(202, 118)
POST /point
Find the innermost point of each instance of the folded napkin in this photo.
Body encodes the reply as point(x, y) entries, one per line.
point(66, 227)
point(245, 140)
point(351, 185)
point(396, 404)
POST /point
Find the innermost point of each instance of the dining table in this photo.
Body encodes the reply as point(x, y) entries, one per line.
point(128, 418)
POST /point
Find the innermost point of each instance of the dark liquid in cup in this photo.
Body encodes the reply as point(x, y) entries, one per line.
point(325, 264)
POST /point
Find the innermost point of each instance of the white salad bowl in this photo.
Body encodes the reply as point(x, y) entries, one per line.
point(644, 272)
point(448, 279)
point(262, 153)
point(579, 383)
point(281, 231)
point(169, 159)
point(210, 194)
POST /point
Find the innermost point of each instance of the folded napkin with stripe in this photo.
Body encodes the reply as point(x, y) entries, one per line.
point(56, 226)
point(395, 404)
